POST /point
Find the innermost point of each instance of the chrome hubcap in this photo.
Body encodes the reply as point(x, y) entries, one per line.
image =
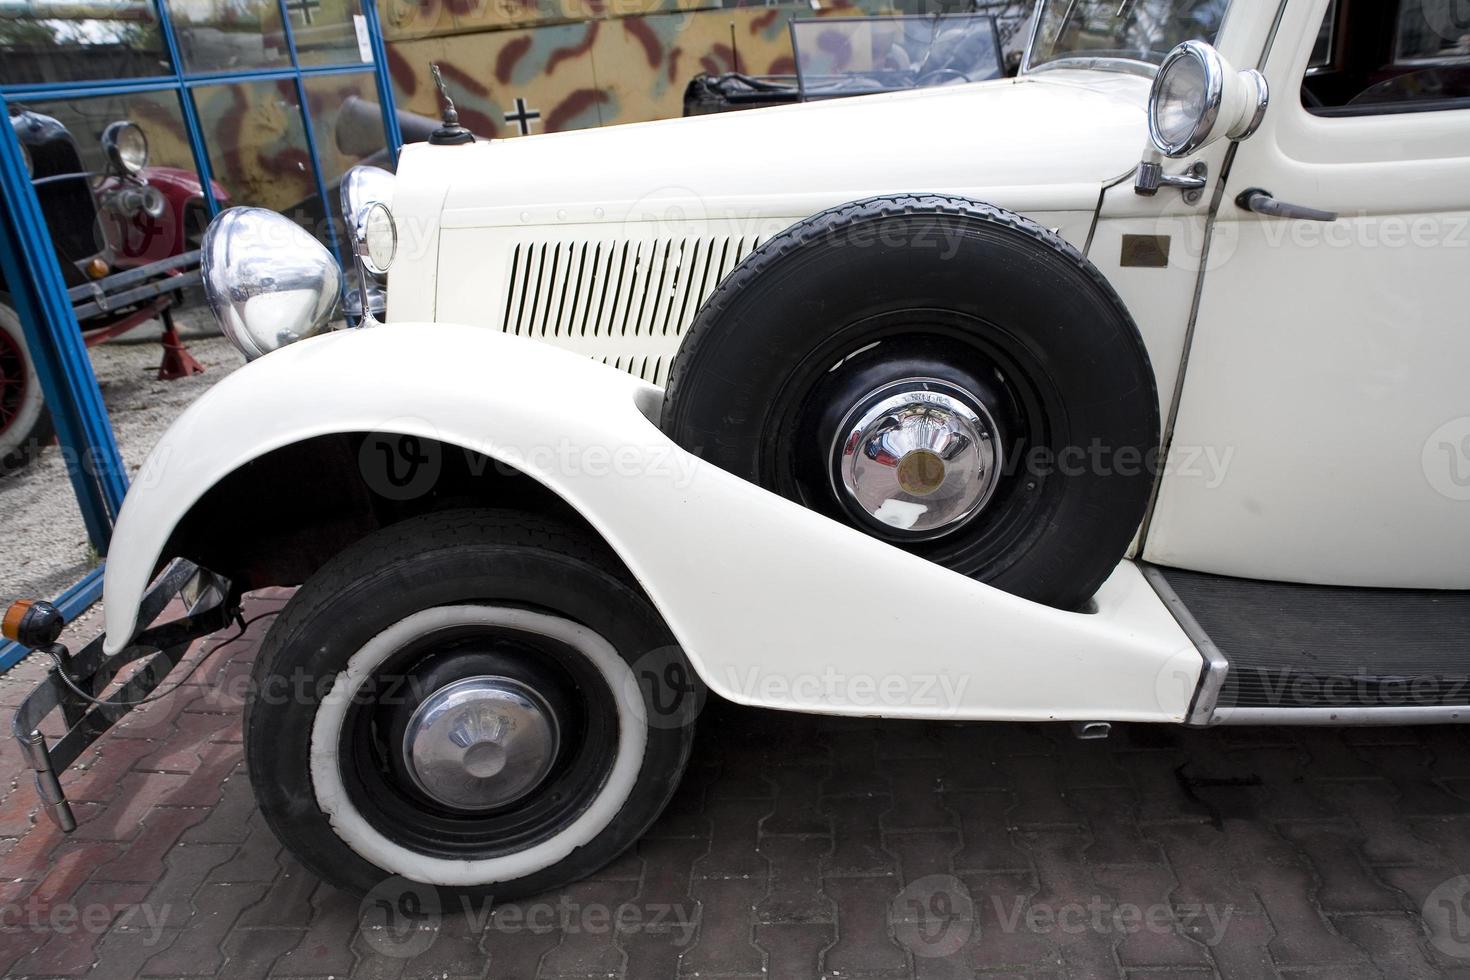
point(920, 456)
point(480, 742)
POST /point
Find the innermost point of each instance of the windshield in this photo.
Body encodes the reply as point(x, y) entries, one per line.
point(1139, 31)
point(838, 56)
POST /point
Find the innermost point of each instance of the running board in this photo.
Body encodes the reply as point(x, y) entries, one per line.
point(1278, 653)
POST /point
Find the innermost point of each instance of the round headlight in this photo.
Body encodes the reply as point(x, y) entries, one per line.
point(376, 238)
point(269, 283)
point(361, 186)
point(1197, 96)
point(126, 147)
point(1186, 98)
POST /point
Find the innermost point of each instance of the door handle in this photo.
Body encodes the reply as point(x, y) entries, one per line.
point(1261, 202)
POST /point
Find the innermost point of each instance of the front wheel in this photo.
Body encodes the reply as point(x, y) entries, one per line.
point(25, 425)
point(475, 700)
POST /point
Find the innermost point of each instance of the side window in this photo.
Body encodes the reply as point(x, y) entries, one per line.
point(1326, 35)
point(1382, 56)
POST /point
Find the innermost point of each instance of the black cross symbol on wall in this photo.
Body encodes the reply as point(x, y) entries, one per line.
point(522, 116)
point(304, 8)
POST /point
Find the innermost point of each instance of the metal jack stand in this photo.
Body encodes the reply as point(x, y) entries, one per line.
point(177, 361)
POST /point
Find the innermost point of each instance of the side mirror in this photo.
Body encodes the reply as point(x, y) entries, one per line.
point(1199, 97)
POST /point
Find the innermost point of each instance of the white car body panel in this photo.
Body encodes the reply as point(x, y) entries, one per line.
point(1017, 149)
point(1328, 360)
point(761, 593)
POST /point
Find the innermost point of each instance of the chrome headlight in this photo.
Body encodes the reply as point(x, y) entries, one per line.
point(363, 185)
point(1197, 96)
point(126, 146)
point(375, 238)
point(366, 188)
point(269, 283)
point(363, 189)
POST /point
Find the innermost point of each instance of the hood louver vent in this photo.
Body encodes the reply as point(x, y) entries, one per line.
point(625, 302)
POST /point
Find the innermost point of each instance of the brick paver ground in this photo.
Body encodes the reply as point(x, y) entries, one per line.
point(797, 847)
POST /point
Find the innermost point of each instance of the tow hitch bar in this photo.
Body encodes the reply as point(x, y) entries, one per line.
point(88, 715)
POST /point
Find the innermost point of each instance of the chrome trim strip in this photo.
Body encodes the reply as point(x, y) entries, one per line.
point(1402, 715)
point(1126, 66)
point(1271, 37)
point(1031, 41)
point(1216, 667)
point(1172, 418)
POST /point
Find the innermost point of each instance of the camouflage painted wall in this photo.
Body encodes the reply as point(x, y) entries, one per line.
point(513, 66)
point(616, 68)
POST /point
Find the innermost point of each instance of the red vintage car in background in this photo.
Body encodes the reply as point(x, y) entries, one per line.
point(127, 241)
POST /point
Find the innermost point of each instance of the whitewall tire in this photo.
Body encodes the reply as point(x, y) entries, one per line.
point(463, 700)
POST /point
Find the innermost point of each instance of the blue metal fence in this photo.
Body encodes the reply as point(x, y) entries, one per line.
point(39, 292)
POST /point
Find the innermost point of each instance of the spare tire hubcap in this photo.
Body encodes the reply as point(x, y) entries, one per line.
point(919, 456)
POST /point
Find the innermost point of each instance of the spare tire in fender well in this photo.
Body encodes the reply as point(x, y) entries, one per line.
point(932, 298)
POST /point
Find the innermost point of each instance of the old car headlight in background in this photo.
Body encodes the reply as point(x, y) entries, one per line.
point(1197, 97)
point(135, 197)
point(126, 146)
point(268, 281)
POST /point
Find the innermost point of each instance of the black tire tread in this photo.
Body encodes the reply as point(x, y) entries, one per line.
point(822, 223)
point(448, 530)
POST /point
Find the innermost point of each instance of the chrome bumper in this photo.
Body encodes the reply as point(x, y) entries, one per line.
point(160, 647)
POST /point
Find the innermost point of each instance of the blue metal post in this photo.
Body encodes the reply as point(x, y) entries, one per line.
point(328, 206)
point(391, 128)
point(39, 293)
point(55, 340)
point(186, 105)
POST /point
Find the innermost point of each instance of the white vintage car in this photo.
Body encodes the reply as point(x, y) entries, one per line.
point(1131, 389)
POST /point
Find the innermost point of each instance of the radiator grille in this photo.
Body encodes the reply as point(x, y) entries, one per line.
point(626, 302)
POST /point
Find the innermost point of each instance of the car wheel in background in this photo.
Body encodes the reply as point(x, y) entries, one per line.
point(25, 425)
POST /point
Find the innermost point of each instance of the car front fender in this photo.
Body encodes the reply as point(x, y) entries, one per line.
point(774, 604)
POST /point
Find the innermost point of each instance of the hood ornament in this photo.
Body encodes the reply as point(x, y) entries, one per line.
point(451, 133)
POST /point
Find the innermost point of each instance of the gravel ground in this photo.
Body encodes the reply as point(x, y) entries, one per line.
point(43, 543)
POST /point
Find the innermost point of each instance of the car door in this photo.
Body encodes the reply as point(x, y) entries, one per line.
point(1326, 380)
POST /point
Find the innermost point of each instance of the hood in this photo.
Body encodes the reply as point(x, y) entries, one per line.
point(1039, 142)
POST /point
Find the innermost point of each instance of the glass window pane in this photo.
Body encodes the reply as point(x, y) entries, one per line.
point(61, 41)
point(257, 148)
point(329, 32)
point(1433, 31)
point(103, 218)
point(347, 124)
point(838, 57)
point(229, 35)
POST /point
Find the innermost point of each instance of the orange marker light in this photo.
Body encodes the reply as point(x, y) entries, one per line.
point(10, 625)
point(97, 268)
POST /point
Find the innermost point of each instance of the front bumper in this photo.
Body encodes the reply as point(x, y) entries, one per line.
point(103, 299)
point(90, 671)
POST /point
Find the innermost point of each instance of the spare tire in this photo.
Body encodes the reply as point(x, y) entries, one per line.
point(940, 373)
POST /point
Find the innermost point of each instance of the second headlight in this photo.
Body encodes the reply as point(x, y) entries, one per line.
point(375, 238)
